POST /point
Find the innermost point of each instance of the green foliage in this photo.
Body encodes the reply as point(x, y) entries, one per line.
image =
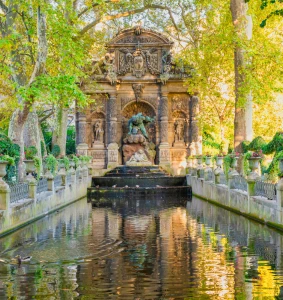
point(56, 150)
point(75, 160)
point(71, 140)
point(227, 161)
point(65, 160)
point(51, 163)
point(37, 164)
point(42, 148)
point(208, 140)
point(85, 158)
point(7, 147)
point(56, 89)
point(47, 135)
point(6, 158)
point(246, 158)
point(257, 144)
point(275, 145)
point(30, 152)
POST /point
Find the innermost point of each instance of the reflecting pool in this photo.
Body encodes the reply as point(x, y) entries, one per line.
point(143, 249)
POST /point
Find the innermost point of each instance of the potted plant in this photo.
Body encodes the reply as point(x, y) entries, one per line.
point(199, 160)
point(5, 160)
point(51, 164)
point(254, 159)
point(76, 161)
point(207, 159)
point(32, 162)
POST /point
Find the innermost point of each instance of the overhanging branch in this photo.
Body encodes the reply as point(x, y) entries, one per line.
point(126, 14)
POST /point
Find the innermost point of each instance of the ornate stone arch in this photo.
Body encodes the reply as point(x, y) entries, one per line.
point(179, 114)
point(134, 107)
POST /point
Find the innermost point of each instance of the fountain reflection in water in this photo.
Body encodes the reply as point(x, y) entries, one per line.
point(143, 249)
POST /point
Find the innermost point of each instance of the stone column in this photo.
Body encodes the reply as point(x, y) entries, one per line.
point(82, 145)
point(195, 138)
point(112, 148)
point(164, 151)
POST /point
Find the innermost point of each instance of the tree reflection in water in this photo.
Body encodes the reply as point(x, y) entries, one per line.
point(143, 249)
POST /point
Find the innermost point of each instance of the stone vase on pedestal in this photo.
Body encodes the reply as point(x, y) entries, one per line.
point(30, 167)
point(253, 164)
point(233, 166)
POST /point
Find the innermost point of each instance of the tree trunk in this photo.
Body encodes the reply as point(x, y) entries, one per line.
point(15, 133)
point(60, 133)
point(243, 113)
point(31, 132)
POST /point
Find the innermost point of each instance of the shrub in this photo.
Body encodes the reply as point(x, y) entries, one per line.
point(56, 151)
point(51, 163)
point(30, 152)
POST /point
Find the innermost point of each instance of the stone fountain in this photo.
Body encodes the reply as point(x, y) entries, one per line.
point(138, 150)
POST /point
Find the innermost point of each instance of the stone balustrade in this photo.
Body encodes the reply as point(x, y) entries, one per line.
point(248, 196)
point(21, 203)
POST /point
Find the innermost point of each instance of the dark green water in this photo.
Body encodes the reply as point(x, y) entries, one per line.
point(143, 250)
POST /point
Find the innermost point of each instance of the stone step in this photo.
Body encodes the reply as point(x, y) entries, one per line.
point(106, 195)
point(119, 181)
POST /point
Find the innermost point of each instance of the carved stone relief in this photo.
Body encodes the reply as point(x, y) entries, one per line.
point(138, 61)
point(164, 155)
point(152, 100)
point(135, 40)
point(138, 90)
point(98, 154)
point(112, 155)
point(180, 103)
point(139, 107)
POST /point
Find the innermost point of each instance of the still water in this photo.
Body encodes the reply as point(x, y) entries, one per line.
point(143, 249)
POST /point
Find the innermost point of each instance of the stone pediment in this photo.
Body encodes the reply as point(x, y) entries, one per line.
point(138, 35)
point(138, 53)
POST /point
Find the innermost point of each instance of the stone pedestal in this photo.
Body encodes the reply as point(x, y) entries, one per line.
point(164, 155)
point(98, 154)
point(4, 195)
point(112, 155)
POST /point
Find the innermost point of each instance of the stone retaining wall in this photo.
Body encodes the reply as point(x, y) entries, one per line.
point(25, 211)
point(255, 207)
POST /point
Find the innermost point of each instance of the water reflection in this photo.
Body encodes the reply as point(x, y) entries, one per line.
point(143, 249)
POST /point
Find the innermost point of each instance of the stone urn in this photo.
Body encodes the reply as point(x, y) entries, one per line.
point(199, 161)
point(3, 165)
point(219, 161)
point(30, 167)
point(254, 164)
point(234, 165)
point(208, 161)
point(62, 169)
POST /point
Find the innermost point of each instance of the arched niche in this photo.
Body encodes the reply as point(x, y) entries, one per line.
point(180, 127)
point(94, 117)
point(134, 108)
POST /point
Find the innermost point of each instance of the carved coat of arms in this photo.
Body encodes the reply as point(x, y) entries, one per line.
point(138, 61)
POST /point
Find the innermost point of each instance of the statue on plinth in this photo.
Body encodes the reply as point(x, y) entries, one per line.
point(98, 132)
point(138, 122)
